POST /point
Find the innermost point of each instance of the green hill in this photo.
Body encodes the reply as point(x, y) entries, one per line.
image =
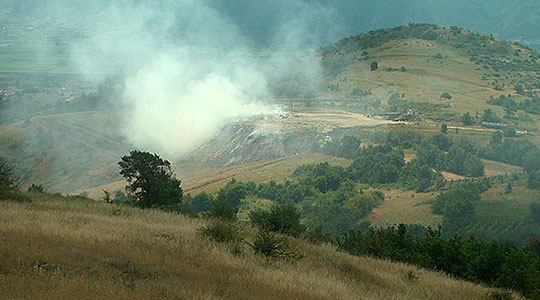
point(420, 63)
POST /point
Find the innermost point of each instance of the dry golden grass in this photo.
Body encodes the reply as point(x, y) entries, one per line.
point(90, 250)
point(407, 207)
point(426, 78)
point(452, 176)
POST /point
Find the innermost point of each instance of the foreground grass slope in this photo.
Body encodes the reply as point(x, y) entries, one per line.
point(65, 248)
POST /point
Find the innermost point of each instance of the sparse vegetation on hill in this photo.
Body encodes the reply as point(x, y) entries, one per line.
point(441, 64)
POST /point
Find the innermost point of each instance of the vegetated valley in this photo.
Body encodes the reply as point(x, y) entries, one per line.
point(409, 169)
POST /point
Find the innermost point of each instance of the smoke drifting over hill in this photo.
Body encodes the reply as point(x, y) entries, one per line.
point(188, 69)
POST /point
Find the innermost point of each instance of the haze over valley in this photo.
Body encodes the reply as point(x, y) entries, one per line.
point(239, 149)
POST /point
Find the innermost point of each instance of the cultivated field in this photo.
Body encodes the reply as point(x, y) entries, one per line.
point(407, 207)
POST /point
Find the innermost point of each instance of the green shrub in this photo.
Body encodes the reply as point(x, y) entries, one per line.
point(533, 181)
point(282, 219)
point(509, 132)
point(444, 128)
point(233, 193)
point(222, 232)
point(37, 188)
point(535, 212)
point(198, 204)
point(270, 245)
point(446, 95)
point(122, 198)
point(107, 197)
point(466, 119)
point(317, 236)
point(222, 210)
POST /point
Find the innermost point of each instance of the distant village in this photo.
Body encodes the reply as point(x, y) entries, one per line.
point(67, 94)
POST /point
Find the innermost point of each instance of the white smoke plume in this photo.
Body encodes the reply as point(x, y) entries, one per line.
point(188, 69)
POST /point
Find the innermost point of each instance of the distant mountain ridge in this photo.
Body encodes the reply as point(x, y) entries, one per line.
point(511, 20)
point(262, 21)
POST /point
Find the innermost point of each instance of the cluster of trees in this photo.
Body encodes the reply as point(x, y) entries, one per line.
point(377, 164)
point(462, 157)
point(490, 116)
point(511, 106)
point(445, 155)
point(511, 151)
point(339, 211)
point(397, 102)
point(457, 204)
point(531, 105)
point(507, 102)
point(325, 204)
point(472, 259)
point(348, 147)
point(528, 88)
point(322, 196)
point(487, 116)
point(385, 163)
point(324, 199)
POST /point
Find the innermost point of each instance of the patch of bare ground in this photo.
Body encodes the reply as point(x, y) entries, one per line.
point(407, 207)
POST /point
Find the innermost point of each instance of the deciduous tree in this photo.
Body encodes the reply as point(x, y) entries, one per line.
point(151, 180)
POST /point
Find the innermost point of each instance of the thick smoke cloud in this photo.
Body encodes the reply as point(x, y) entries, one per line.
point(188, 68)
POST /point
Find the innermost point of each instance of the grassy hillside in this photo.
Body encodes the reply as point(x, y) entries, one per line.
point(65, 248)
point(66, 151)
point(421, 62)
